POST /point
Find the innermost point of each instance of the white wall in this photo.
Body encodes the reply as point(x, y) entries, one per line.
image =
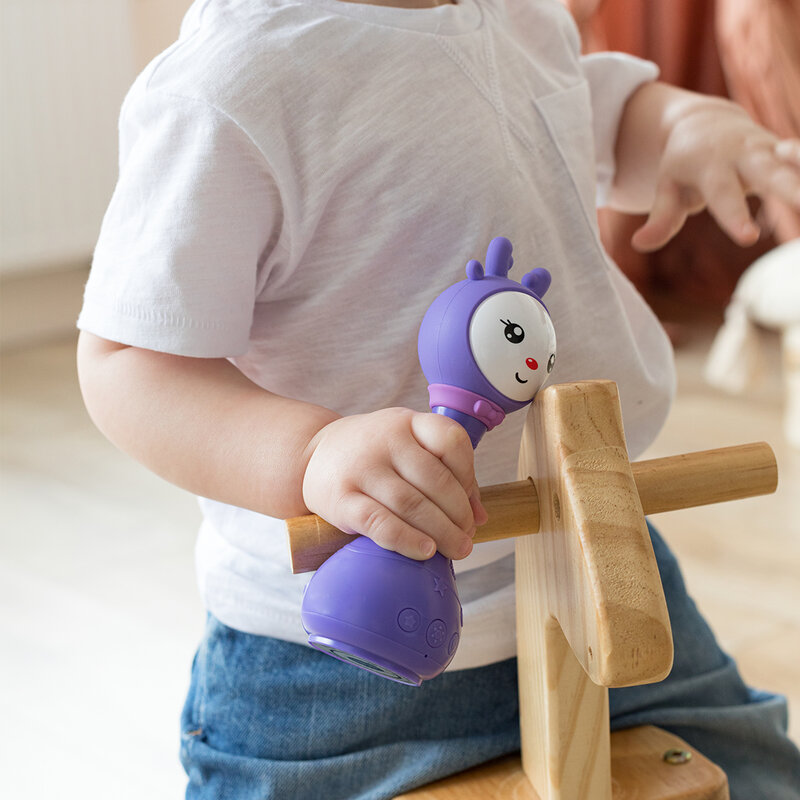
point(65, 66)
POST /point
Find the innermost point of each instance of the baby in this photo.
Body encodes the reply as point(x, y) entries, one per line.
point(298, 180)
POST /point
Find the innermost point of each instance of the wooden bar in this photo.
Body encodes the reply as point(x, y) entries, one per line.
point(638, 771)
point(664, 484)
point(704, 477)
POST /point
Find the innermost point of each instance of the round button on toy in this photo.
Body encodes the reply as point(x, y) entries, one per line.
point(408, 620)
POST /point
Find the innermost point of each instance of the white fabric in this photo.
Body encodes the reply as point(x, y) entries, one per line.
point(767, 294)
point(301, 178)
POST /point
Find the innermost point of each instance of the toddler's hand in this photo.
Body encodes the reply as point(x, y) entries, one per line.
point(715, 155)
point(404, 479)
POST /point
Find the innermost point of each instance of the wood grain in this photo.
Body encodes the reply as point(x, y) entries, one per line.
point(591, 574)
point(638, 772)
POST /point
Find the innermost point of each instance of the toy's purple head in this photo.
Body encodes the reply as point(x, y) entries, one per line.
point(489, 335)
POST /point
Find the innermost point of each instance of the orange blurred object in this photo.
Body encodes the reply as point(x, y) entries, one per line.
point(759, 66)
point(759, 44)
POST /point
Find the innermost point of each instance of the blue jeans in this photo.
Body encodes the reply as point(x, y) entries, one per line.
point(270, 719)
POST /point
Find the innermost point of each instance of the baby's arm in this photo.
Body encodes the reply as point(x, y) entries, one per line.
point(405, 479)
point(678, 152)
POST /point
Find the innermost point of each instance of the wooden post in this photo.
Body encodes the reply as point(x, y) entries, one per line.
point(591, 612)
point(590, 607)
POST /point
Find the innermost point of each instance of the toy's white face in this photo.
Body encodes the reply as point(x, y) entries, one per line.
point(513, 343)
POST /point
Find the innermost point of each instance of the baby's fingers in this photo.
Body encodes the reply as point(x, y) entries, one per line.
point(727, 203)
point(478, 510)
point(774, 171)
point(397, 516)
point(449, 442)
point(379, 523)
point(788, 150)
point(666, 218)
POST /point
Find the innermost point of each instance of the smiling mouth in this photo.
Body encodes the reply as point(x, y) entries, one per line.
point(516, 375)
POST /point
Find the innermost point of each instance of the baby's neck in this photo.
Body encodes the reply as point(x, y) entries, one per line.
point(411, 4)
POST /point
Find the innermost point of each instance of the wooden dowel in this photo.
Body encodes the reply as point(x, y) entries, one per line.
point(708, 476)
point(513, 510)
point(664, 484)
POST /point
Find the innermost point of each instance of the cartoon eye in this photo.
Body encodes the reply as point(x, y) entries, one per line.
point(513, 332)
point(551, 361)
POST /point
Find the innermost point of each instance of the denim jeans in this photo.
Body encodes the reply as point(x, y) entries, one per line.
point(271, 719)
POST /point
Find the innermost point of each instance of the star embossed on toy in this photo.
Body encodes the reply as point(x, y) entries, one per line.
point(439, 586)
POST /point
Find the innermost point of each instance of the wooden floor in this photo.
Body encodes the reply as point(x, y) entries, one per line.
point(99, 614)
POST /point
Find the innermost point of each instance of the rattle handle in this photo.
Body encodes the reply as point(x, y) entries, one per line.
point(664, 484)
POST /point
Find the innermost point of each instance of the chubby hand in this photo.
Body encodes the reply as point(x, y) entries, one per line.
point(715, 155)
point(402, 478)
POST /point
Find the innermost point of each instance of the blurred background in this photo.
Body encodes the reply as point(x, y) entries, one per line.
point(99, 615)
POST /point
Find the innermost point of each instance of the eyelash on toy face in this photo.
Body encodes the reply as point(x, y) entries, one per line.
point(510, 333)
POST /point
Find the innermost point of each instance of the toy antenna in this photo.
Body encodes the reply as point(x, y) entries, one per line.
point(498, 257)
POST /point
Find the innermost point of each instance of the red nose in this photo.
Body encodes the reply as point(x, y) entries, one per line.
point(531, 362)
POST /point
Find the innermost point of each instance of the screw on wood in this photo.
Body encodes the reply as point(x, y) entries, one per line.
point(676, 756)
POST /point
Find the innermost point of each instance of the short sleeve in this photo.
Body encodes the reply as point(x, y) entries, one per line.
point(612, 78)
point(192, 216)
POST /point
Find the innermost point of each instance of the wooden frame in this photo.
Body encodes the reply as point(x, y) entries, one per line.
point(591, 612)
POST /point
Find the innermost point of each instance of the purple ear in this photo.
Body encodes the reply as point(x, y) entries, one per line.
point(498, 257)
point(537, 281)
point(474, 270)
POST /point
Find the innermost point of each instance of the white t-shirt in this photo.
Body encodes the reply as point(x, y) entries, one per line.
point(299, 179)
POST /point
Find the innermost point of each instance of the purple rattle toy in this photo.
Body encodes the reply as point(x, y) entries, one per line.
point(486, 345)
